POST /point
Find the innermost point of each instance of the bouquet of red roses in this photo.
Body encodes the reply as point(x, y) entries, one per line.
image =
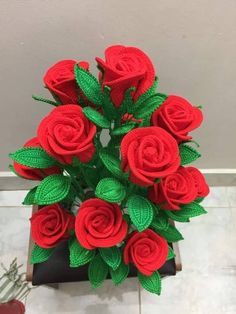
point(112, 199)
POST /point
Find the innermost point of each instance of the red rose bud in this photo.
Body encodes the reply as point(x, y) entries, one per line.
point(126, 67)
point(173, 190)
point(146, 250)
point(60, 80)
point(99, 224)
point(177, 116)
point(50, 225)
point(149, 153)
point(34, 173)
point(66, 133)
point(200, 182)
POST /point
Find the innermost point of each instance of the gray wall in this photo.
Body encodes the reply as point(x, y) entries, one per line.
point(192, 44)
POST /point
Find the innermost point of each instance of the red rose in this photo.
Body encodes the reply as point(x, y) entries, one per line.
point(60, 80)
point(173, 190)
point(126, 67)
point(66, 133)
point(33, 173)
point(177, 116)
point(149, 153)
point(50, 225)
point(146, 250)
point(99, 224)
point(200, 182)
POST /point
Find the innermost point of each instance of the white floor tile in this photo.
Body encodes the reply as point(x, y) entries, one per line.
point(217, 197)
point(231, 195)
point(12, 198)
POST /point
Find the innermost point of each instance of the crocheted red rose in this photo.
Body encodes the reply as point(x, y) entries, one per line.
point(200, 182)
point(149, 153)
point(126, 67)
point(99, 224)
point(173, 190)
point(146, 250)
point(66, 133)
point(60, 80)
point(33, 173)
point(50, 225)
point(177, 116)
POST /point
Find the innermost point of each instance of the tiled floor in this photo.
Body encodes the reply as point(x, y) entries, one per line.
point(207, 284)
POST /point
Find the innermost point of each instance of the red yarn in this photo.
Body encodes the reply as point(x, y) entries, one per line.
point(200, 182)
point(60, 80)
point(149, 153)
point(99, 224)
point(177, 116)
point(173, 190)
point(66, 133)
point(34, 173)
point(50, 225)
point(126, 67)
point(146, 250)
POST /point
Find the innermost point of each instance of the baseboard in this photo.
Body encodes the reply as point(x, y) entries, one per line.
point(215, 177)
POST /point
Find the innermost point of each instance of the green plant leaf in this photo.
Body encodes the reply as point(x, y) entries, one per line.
point(52, 189)
point(160, 222)
point(174, 216)
point(78, 255)
point(97, 271)
point(125, 128)
point(141, 211)
point(128, 102)
point(112, 256)
point(112, 164)
point(89, 85)
point(45, 100)
point(171, 253)
point(96, 117)
point(151, 283)
point(108, 107)
point(199, 199)
point(111, 190)
point(120, 274)
point(148, 107)
point(151, 91)
point(40, 255)
point(171, 234)
point(188, 154)
point(29, 198)
point(191, 210)
point(34, 157)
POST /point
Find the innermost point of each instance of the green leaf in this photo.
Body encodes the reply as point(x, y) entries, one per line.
point(29, 198)
point(128, 102)
point(52, 189)
point(171, 253)
point(120, 274)
point(151, 283)
point(125, 128)
point(171, 234)
point(199, 199)
point(146, 108)
point(112, 256)
point(47, 101)
point(96, 117)
point(111, 190)
point(108, 107)
point(78, 255)
point(89, 85)
point(160, 222)
point(191, 210)
point(151, 91)
point(40, 255)
point(141, 211)
point(97, 271)
point(174, 216)
point(188, 154)
point(112, 164)
point(34, 157)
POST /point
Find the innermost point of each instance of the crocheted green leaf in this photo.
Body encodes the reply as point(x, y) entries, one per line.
point(141, 211)
point(146, 108)
point(125, 128)
point(171, 234)
point(188, 154)
point(128, 102)
point(52, 189)
point(112, 256)
point(108, 107)
point(78, 255)
point(191, 210)
point(29, 198)
point(160, 222)
point(151, 283)
point(199, 199)
point(151, 91)
point(171, 253)
point(97, 271)
point(47, 101)
point(174, 216)
point(120, 274)
point(111, 190)
point(89, 85)
point(34, 157)
point(40, 255)
point(96, 117)
point(112, 164)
